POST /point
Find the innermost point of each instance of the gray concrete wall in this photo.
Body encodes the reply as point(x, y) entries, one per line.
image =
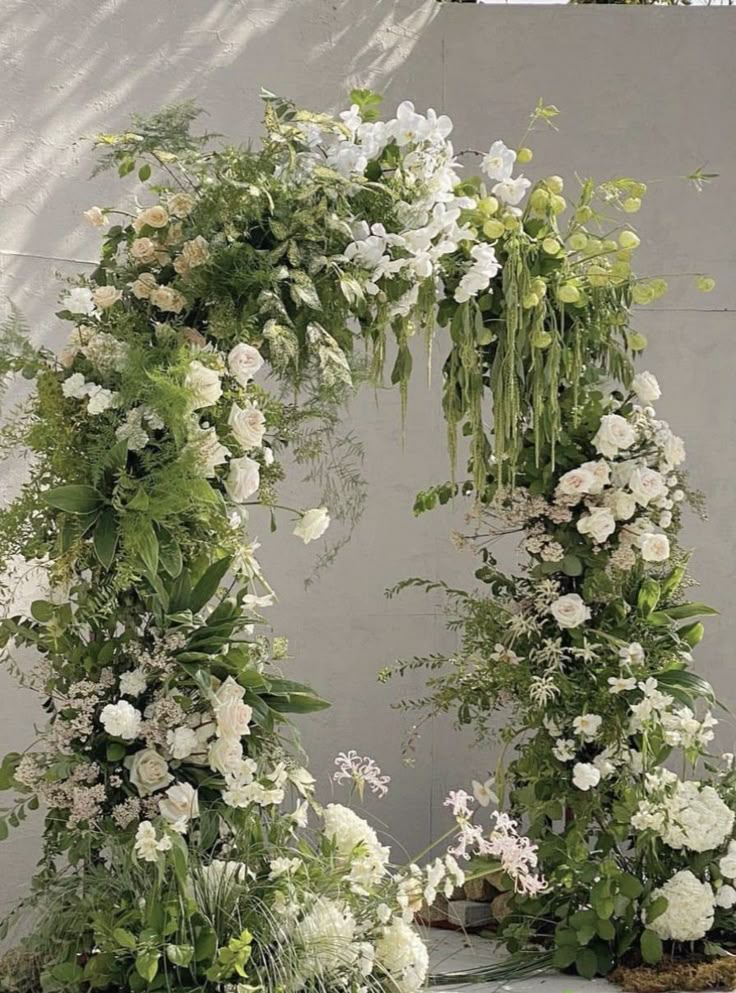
point(643, 92)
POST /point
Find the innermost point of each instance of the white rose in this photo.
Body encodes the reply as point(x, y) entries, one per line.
point(244, 361)
point(601, 474)
point(243, 479)
point(585, 776)
point(576, 482)
point(121, 720)
point(622, 504)
point(615, 433)
point(180, 806)
point(599, 523)
point(646, 387)
point(99, 399)
point(79, 301)
point(621, 472)
point(647, 484)
point(726, 897)
point(570, 611)
point(193, 253)
point(673, 450)
point(149, 771)
point(75, 387)
point(106, 296)
point(208, 450)
point(203, 384)
point(225, 756)
point(96, 217)
point(182, 741)
point(153, 217)
point(229, 691)
point(312, 524)
point(248, 424)
point(233, 719)
point(654, 547)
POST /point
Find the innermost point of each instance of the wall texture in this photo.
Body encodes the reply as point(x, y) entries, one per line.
point(643, 92)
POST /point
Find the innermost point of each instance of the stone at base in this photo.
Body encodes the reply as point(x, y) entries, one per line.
point(468, 913)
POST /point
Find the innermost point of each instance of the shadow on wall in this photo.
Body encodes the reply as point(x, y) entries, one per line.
point(71, 69)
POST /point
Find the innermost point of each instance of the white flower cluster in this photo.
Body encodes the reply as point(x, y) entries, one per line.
point(631, 490)
point(690, 908)
point(684, 814)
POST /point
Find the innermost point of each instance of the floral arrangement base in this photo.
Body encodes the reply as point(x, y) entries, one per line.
point(691, 975)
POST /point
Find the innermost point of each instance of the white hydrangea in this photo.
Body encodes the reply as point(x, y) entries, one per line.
point(403, 955)
point(356, 840)
point(697, 818)
point(326, 935)
point(689, 913)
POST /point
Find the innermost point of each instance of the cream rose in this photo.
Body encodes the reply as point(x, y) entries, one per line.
point(143, 287)
point(614, 434)
point(601, 474)
point(646, 387)
point(203, 384)
point(673, 450)
point(312, 524)
point(181, 204)
point(599, 524)
point(149, 771)
point(180, 805)
point(167, 298)
point(622, 504)
point(193, 253)
point(243, 479)
point(106, 297)
point(152, 217)
point(248, 424)
point(96, 217)
point(654, 547)
point(570, 610)
point(244, 361)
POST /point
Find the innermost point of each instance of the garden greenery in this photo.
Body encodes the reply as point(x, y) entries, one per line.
point(230, 314)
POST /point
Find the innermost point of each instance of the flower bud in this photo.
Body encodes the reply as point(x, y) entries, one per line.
point(493, 229)
point(524, 155)
point(636, 341)
point(705, 283)
point(557, 204)
point(638, 189)
point(631, 204)
point(578, 241)
point(529, 301)
point(658, 287)
point(609, 245)
point(642, 293)
point(539, 200)
point(568, 293)
point(598, 276)
point(488, 206)
point(629, 240)
point(511, 222)
point(551, 246)
point(554, 184)
point(539, 287)
point(584, 214)
point(541, 339)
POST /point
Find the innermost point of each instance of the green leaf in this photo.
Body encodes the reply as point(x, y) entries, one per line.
point(126, 939)
point(564, 956)
point(605, 930)
point(630, 886)
point(4, 829)
point(651, 946)
point(146, 544)
point(146, 964)
point(648, 597)
point(297, 703)
point(685, 610)
point(571, 565)
point(42, 611)
point(144, 172)
point(692, 634)
point(208, 584)
point(656, 908)
point(180, 955)
point(170, 553)
point(115, 751)
point(586, 962)
point(74, 499)
point(106, 537)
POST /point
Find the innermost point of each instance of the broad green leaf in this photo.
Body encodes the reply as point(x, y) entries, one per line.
point(180, 955)
point(42, 610)
point(651, 947)
point(586, 962)
point(125, 938)
point(146, 544)
point(74, 499)
point(146, 964)
point(209, 583)
point(106, 537)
